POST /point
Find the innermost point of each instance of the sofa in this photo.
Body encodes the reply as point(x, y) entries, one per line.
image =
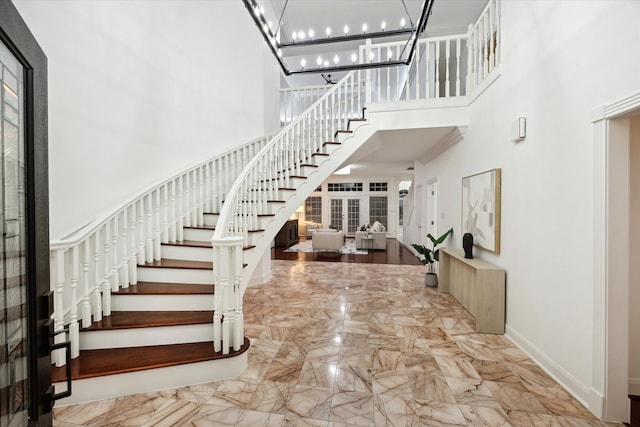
point(311, 228)
point(327, 240)
point(375, 230)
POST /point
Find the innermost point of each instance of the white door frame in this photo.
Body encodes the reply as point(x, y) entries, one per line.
point(611, 280)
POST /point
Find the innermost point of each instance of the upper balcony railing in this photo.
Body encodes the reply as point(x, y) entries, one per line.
point(442, 67)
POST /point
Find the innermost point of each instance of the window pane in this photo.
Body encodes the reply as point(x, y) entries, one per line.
point(313, 209)
point(378, 210)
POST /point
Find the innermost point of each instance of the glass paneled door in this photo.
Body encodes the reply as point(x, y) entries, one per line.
point(345, 215)
point(13, 288)
point(26, 394)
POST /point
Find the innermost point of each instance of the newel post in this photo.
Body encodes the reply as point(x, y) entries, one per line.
point(228, 319)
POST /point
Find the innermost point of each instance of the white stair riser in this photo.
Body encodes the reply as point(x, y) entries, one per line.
point(210, 219)
point(137, 337)
point(111, 386)
point(198, 234)
point(161, 302)
point(187, 253)
point(175, 275)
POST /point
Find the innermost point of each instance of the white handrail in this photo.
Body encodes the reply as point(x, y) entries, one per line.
point(269, 173)
point(102, 256)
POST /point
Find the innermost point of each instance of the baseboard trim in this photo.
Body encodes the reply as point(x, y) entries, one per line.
point(586, 395)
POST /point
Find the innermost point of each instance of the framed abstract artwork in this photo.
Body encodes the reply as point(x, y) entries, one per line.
point(481, 208)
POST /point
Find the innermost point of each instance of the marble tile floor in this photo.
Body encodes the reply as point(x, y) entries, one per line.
point(337, 344)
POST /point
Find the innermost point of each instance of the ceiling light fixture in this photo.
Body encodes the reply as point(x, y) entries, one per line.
point(298, 40)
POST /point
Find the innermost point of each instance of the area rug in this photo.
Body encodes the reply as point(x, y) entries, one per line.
point(305, 246)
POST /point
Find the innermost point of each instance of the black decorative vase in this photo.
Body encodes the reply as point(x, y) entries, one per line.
point(467, 245)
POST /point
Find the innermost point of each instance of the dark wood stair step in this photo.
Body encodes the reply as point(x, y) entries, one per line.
point(178, 263)
point(150, 319)
point(202, 227)
point(342, 131)
point(190, 243)
point(97, 363)
point(331, 143)
point(161, 288)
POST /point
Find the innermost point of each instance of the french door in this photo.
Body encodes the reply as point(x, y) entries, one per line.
point(345, 214)
point(25, 318)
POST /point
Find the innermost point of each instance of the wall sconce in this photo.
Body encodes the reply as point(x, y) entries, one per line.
point(519, 129)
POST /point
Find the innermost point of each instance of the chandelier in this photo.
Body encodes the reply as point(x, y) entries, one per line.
point(331, 41)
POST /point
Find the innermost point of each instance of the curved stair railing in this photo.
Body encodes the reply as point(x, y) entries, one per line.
point(271, 187)
point(102, 257)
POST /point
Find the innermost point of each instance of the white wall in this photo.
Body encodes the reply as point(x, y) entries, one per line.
point(140, 90)
point(560, 61)
point(634, 254)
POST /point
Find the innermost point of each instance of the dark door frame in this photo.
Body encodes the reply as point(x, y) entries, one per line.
point(15, 34)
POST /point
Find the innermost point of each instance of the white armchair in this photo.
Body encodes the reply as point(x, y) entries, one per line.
point(330, 240)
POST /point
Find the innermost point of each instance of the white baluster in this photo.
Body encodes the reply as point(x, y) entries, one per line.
point(149, 247)
point(164, 191)
point(172, 203)
point(468, 86)
point(157, 241)
point(126, 253)
point(58, 308)
point(180, 226)
point(115, 275)
point(186, 193)
point(133, 259)
point(86, 305)
point(498, 40)
point(437, 80)
point(207, 188)
point(195, 202)
point(238, 332)
point(74, 327)
point(97, 295)
point(142, 229)
point(217, 298)
point(417, 72)
point(458, 67)
point(427, 76)
point(106, 285)
point(447, 66)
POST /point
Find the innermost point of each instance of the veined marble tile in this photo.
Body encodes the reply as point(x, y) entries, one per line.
point(293, 421)
point(353, 407)
point(395, 411)
point(559, 402)
point(284, 371)
point(485, 417)
point(384, 342)
point(318, 374)
point(270, 396)
point(234, 392)
point(439, 414)
point(430, 387)
point(349, 339)
point(391, 382)
point(473, 392)
point(355, 327)
point(171, 414)
point(458, 367)
point(492, 370)
point(309, 402)
point(353, 378)
point(528, 419)
point(514, 396)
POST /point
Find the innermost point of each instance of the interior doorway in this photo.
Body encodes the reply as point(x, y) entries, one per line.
point(616, 277)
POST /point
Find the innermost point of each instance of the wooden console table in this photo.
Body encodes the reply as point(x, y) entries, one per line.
point(288, 234)
point(478, 285)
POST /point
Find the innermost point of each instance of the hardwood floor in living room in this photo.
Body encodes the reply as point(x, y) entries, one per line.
point(396, 253)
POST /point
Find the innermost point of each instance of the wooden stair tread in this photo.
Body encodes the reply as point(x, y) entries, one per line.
point(201, 227)
point(97, 363)
point(150, 319)
point(178, 263)
point(190, 243)
point(308, 165)
point(161, 288)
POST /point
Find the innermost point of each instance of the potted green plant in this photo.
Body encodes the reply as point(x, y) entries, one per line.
point(430, 256)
